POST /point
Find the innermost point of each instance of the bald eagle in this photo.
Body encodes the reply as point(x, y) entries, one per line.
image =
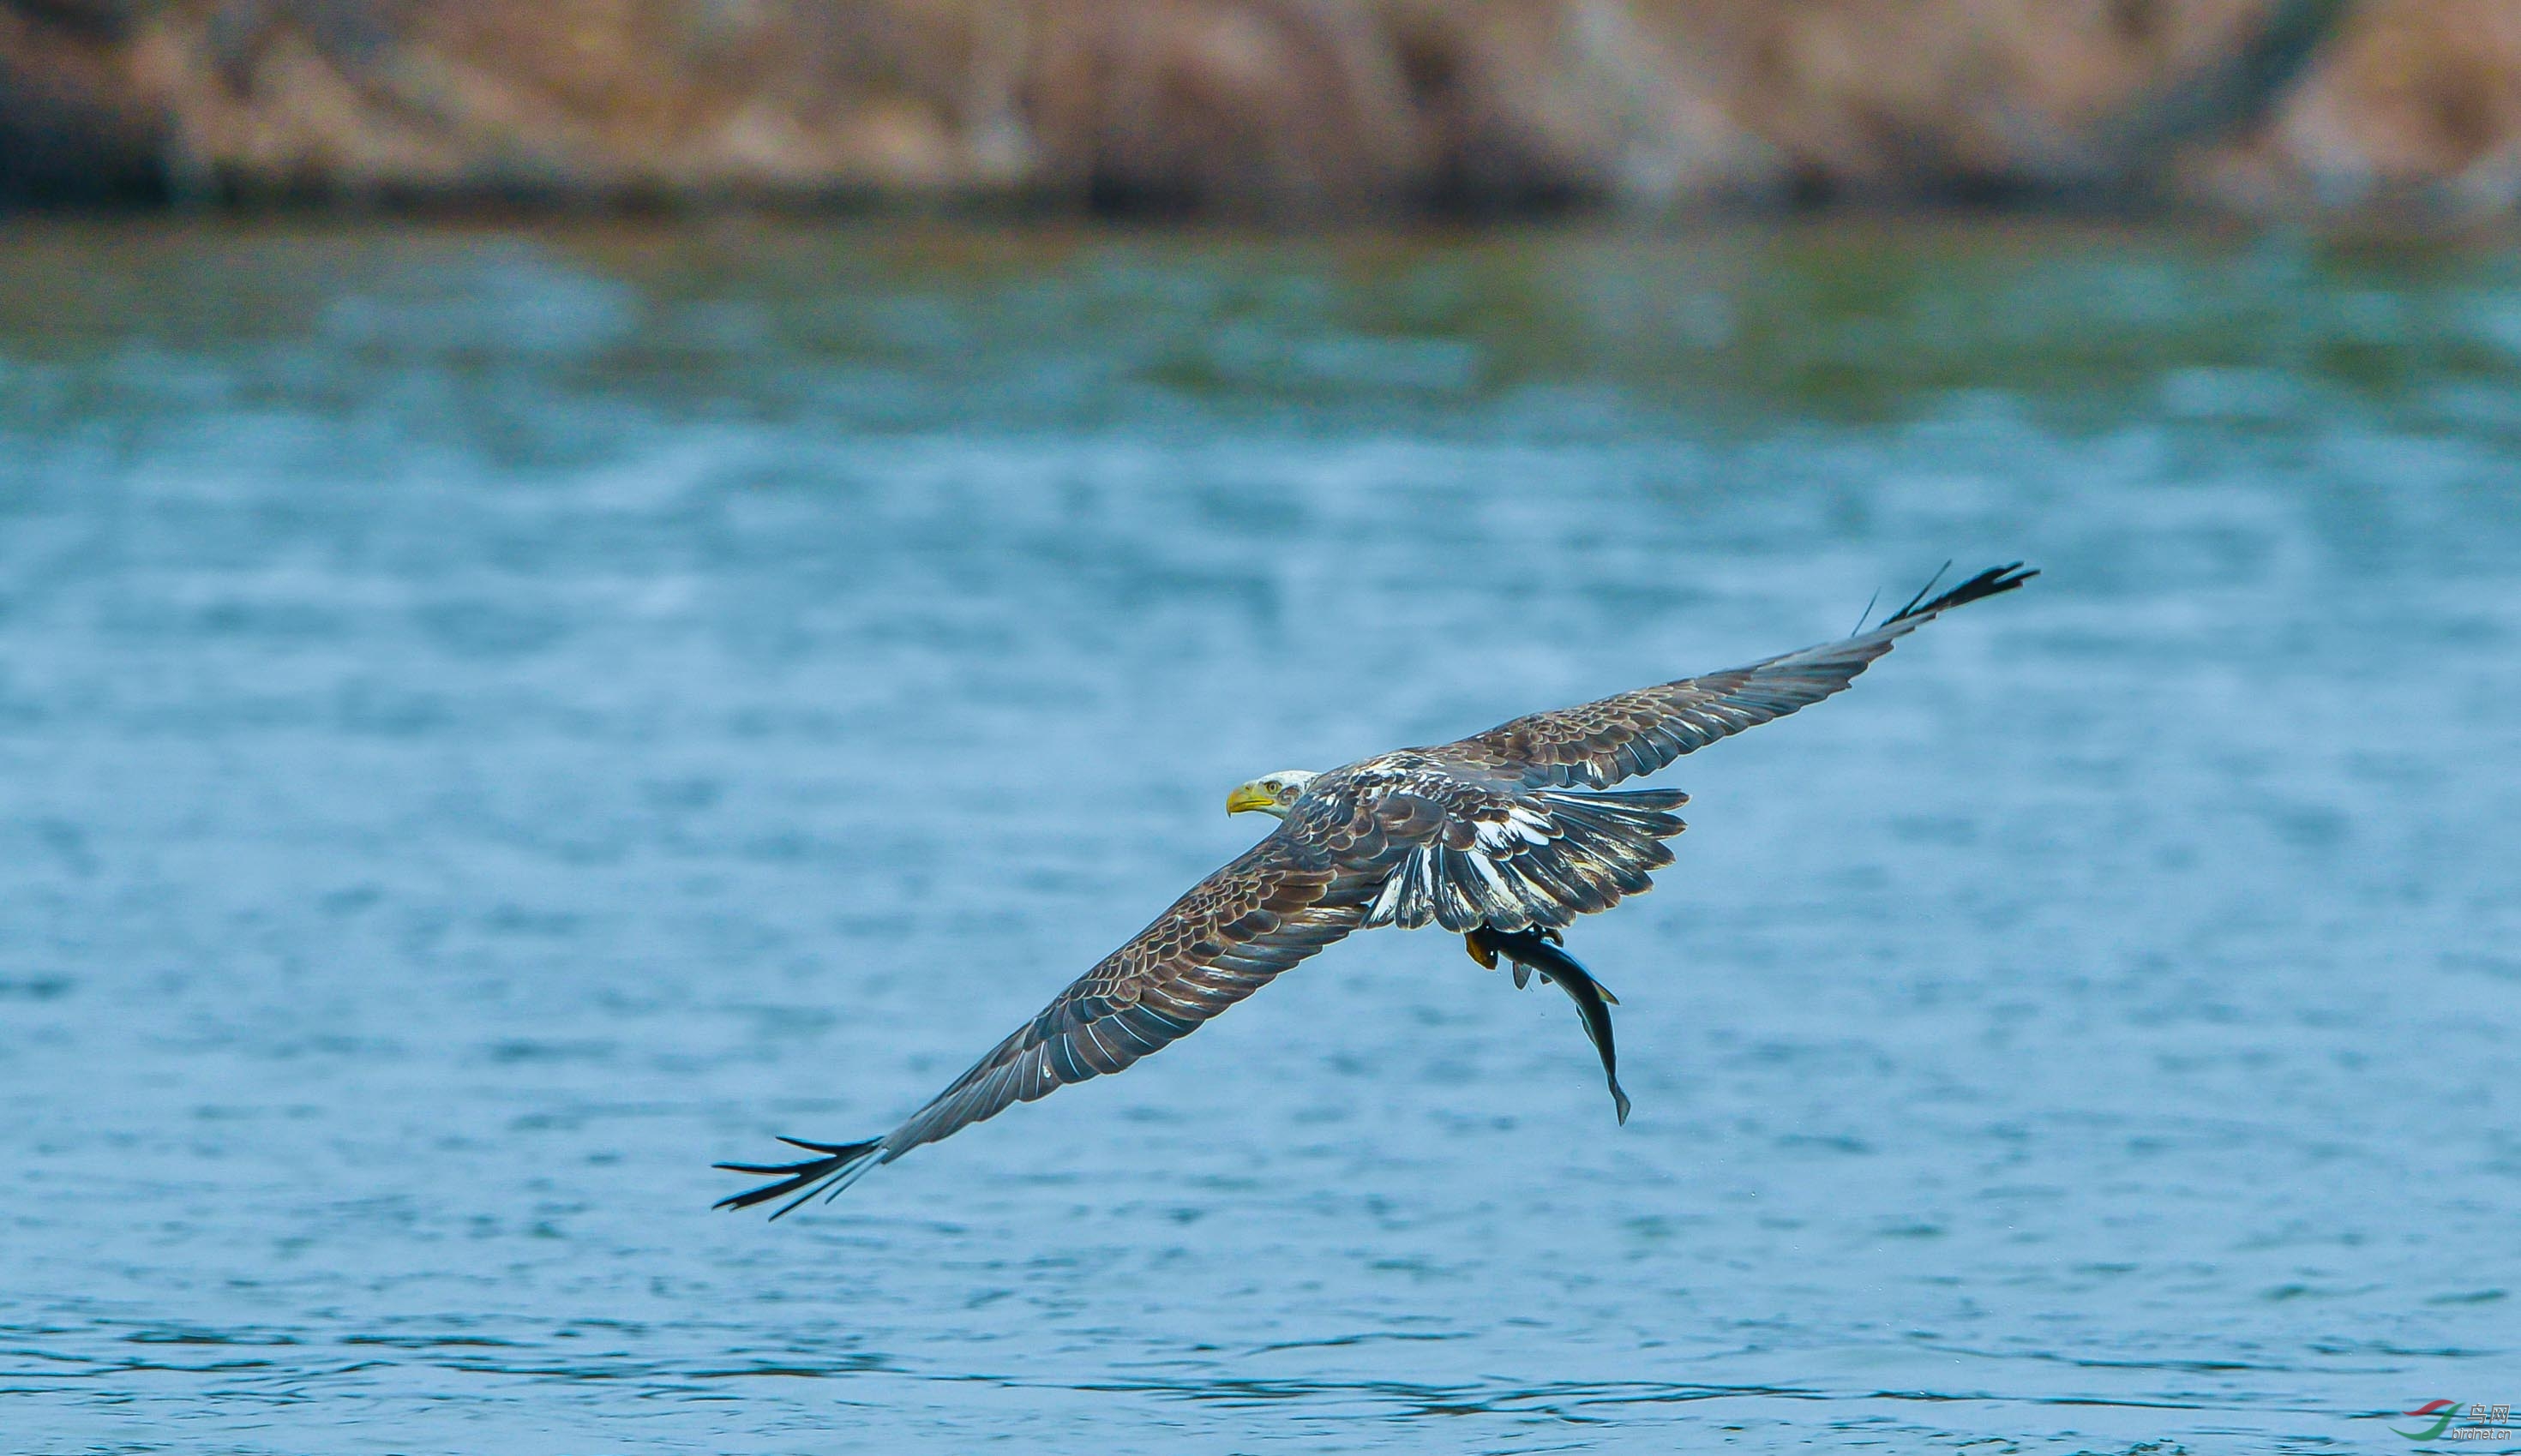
point(1502, 838)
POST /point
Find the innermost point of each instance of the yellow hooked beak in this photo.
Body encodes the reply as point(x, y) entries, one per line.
point(1249, 798)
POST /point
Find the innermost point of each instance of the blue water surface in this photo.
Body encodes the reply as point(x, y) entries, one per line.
point(494, 719)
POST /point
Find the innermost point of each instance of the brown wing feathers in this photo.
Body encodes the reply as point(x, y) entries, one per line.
point(1598, 744)
point(1225, 939)
point(1280, 901)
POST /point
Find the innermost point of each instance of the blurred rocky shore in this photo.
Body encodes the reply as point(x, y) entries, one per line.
point(1272, 109)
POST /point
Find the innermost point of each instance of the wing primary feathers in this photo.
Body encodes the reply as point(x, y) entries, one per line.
point(1921, 593)
point(1988, 583)
point(839, 1165)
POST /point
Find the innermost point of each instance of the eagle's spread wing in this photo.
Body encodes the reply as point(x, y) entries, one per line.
point(1286, 897)
point(1280, 901)
point(1598, 744)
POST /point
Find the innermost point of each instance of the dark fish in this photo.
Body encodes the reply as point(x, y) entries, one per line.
point(1537, 951)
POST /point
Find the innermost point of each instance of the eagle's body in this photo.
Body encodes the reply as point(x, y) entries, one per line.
point(1503, 838)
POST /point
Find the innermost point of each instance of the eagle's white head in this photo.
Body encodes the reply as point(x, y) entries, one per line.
point(1272, 794)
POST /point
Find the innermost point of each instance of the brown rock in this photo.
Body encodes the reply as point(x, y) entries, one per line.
point(2415, 105)
point(1284, 108)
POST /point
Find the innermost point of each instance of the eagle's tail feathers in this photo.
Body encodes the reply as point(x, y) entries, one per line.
point(1604, 846)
